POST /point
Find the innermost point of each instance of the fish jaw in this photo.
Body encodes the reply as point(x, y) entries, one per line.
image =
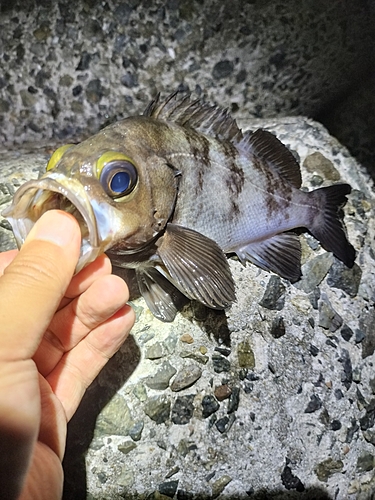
point(100, 222)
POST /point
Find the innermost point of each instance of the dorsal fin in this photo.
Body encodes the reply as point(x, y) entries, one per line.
point(270, 150)
point(203, 117)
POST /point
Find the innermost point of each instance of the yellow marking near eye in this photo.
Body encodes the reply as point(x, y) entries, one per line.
point(57, 155)
point(107, 157)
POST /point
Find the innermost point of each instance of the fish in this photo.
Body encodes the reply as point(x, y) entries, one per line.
point(172, 192)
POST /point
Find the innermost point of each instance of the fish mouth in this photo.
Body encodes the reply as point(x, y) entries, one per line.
point(56, 191)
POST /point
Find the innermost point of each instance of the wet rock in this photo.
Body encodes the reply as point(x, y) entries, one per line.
point(344, 278)
point(220, 363)
point(277, 327)
point(210, 405)
point(234, 400)
point(186, 377)
point(329, 319)
point(126, 447)
point(220, 484)
point(314, 404)
point(347, 376)
point(158, 408)
point(290, 481)
point(327, 468)
point(274, 296)
point(365, 462)
point(168, 488)
point(160, 380)
point(246, 358)
point(314, 271)
point(183, 409)
point(346, 333)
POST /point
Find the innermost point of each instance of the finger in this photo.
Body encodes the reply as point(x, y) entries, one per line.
point(72, 323)
point(78, 367)
point(81, 281)
point(6, 258)
point(34, 283)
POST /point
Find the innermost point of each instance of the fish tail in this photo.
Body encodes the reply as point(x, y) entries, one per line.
point(327, 225)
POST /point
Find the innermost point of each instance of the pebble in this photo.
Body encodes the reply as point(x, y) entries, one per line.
point(319, 164)
point(246, 358)
point(347, 376)
point(365, 462)
point(158, 408)
point(368, 420)
point(136, 431)
point(209, 405)
point(168, 488)
point(172, 472)
point(183, 409)
point(222, 69)
point(344, 278)
point(314, 297)
point(329, 319)
point(314, 271)
point(222, 392)
point(274, 296)
point(155, 351)
point(160, 380)
point(115, 418)
point(220, 363)
point(367, 325)
point(220, 484)
point(126, 447)
point(314, 404)
point(225, 423)
point(327, 468)
point(277, 327)
point(336, 425)
point(140, 392)
point(351, 431)
point(290, 481)
point(234, 400)
point(186, 377)
point(195, 355)
point(359, 336)
point(223, 350)
point(187, 338)
point(185, 495)
point(346, 333)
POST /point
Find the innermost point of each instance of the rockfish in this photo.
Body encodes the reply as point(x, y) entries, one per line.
point(170, 192)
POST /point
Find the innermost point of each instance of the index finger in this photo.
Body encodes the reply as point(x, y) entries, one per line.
point(34, 283)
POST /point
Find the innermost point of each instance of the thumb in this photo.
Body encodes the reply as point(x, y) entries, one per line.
point(35, 282)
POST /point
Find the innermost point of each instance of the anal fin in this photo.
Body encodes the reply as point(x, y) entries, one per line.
point(280, 254)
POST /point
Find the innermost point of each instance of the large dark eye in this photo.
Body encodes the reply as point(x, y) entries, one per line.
point(118, 177)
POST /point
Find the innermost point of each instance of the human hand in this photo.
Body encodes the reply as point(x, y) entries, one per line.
point(56, 334)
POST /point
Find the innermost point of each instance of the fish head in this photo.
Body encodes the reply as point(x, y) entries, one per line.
point(121, 192)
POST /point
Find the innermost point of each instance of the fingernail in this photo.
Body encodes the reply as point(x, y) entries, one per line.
point(55, 226)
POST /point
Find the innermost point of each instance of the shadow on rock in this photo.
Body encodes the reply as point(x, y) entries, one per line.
point(81, 427)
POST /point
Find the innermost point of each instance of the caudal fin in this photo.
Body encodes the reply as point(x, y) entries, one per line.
point(328, 226)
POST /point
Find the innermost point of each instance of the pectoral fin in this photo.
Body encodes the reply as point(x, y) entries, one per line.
point(197, 266)
point(280, 254)
point(158, 293)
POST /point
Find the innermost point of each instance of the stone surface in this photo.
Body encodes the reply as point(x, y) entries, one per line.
point(261, 437)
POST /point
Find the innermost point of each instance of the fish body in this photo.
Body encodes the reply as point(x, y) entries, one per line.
point(169, 193)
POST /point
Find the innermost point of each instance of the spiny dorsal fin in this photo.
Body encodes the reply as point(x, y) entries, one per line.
point(203, 117)
point(268, 148)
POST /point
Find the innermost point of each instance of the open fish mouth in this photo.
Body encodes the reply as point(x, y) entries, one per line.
point(56, 191)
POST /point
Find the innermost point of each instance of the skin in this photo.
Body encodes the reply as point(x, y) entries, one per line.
point(56, 334)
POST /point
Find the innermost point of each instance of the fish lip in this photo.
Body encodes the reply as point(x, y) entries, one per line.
point(19, 212)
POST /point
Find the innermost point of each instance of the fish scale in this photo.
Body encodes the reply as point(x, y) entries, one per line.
point(170, 192)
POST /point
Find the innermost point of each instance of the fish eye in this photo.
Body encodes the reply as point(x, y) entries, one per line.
point(57, 155)
point(118, 176)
